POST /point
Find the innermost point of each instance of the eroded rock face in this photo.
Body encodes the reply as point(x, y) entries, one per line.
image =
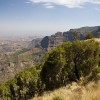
point(9, 67)
point(97, 33)
point(45, 42)
point(52, 41)
point(35, 43)
point(83, 31)
point(9, 70)
point(12, 63)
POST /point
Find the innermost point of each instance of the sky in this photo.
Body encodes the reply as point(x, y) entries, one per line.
point(46, 17)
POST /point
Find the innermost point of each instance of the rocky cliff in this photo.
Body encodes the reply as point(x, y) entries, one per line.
point(12, 63)
point(35, 43)
point(52, 41)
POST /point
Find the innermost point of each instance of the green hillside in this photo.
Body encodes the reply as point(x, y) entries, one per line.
point(77, 61)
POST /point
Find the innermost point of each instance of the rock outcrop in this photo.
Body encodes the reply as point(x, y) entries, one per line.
point(52, 41)
point(9, 67)
point(35, 43)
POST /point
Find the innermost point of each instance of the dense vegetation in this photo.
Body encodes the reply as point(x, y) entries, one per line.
point(69, 62)
point(89, 36)
point(64, 64)
point(23, 86)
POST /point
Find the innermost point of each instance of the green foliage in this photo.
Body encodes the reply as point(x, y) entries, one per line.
point(4, 92)
point(89, 36)
point(69, 62)
point(95, 71)
point(53, 67)
point(22, 87)
point(83, 56)
point(66, 63)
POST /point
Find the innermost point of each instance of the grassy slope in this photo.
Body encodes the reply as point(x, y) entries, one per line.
point(74, 91)
point(97, 39)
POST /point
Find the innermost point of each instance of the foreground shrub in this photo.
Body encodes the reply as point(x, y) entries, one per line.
point(69, 62)
point(22, 87)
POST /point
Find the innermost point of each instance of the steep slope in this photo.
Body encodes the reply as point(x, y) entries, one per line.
point(52, 41)
point(12, 63)
point(74, 91)
point(49, 42)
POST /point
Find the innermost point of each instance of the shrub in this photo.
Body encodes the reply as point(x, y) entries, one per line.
point(22, 87)
point(51, 72)
point(69, 62)
point(89, 36)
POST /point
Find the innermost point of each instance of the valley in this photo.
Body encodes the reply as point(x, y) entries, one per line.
point(16, 55)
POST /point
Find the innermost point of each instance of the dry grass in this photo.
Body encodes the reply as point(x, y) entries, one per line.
point(97, 39)
point(74, 92)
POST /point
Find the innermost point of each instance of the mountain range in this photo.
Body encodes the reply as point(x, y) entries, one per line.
point(49, 42)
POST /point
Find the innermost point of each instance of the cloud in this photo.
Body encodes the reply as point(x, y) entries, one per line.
point(67, 3)
point(27, 2)
point(48, 5)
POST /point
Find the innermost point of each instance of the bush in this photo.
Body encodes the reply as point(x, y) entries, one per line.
point(69, 62)
point(89, 36)
point(51, 72)
point(22, 87)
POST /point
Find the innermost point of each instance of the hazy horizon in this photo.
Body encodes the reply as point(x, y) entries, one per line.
point(46, 17)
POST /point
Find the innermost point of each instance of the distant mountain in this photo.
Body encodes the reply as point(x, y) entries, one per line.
point(85, 30)
point(52, 41)
point(35, 43)
point(82, 32)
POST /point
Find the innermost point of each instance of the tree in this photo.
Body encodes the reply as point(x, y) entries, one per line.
point(69, 62)
point(51, 72)
point(26, 82)
point(22, 87)
point(83, 57)
point(89, 36)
